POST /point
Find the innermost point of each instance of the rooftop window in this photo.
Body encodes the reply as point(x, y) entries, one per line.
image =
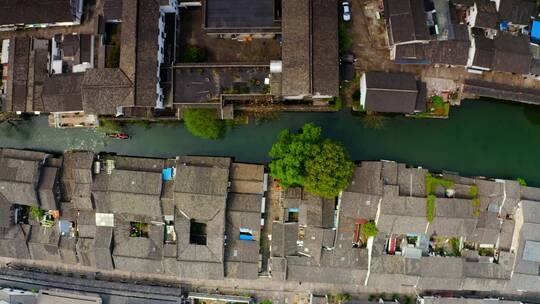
point(293, 214)
point(246, 234)
point(197, 233)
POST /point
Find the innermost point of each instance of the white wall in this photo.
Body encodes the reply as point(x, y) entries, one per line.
point(363, 90)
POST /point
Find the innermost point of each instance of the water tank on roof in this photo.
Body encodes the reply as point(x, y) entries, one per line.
point(97, 167)
point(276, 66)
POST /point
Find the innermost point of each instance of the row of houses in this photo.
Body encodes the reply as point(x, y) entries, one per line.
point(202, 217)
point(127, 65)
point(184, 217)
point(480, 35)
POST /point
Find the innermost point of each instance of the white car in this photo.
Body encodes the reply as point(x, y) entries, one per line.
point(346, 11)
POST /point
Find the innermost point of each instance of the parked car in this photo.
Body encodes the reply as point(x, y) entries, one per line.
point(346, 11)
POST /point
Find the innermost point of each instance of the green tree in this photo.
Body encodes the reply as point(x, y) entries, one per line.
point(290, 154)
point(37, 213)
point(193, 53)
point(342, 298)
point(370, 229)
point(203, 123)
point(521, 182)
point(304, 159)
point(328, 170)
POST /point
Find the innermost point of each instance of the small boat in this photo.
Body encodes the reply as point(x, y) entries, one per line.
point(119, 135)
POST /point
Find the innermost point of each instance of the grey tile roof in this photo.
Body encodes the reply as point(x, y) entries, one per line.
point(126, 191)
point(407, 20)
point(85, 251)
point(452, 52)
point(112, 10)
point(44, 11)
point(310, 48)
point(19, 179)
point(44, 244)
point(518, 11)
point(13, 242)
point(128, 39)
point(242, 256)
point(62, 93)
point(296, 47)
point(367, 178)
point(103, 90)
point(147, 51)
point(239, 14)
point(77, 178)
point(20, 73)
point(247, 178)
point(208, 210)
point(325, 57)
point(284, 237)
point(201, 180)
point(47, 188)
point(317, 212)
point(391, 92)
point(6, 212)
point(143, 248)
point(248, 203)
point(68, 251)
point(486, 16)
point(512, 54)
point(402, 215)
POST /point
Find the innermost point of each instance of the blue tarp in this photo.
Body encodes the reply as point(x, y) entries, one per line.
point(167, 174)
point(504, 25)
point(294, 210)
point(535, 32)
point(246, 237)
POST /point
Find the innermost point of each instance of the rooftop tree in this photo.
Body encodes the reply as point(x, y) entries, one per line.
point(322, 167)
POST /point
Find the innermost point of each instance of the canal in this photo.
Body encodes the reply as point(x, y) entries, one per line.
point(488, 138)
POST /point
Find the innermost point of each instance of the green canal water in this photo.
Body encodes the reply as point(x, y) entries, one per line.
point(481, 138)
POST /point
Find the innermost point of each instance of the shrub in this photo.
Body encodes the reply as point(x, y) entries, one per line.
point(432, 182)
point(437, 101)
point(521, 182)
point(37, 213)
point(112, 58)
point(454, 242)
point(476, 202)
point(203, 123)
point(343, 37)
point(356, 95)
point(337, 103)
point(194, 53)
point(430, 208)
point(473, 191)
point(342, 297)
point(370, 229)
point(266, 302)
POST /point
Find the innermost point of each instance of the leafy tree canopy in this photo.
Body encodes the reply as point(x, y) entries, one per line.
point(203, 123)
point(370, 229)
point(328, 170)
point(290, 153)
point(322, 167)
